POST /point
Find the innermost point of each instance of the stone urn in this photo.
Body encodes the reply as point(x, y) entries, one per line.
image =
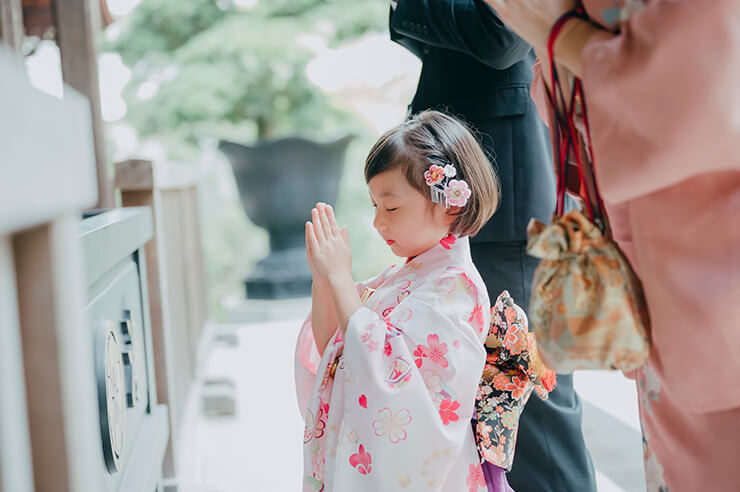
point(279, 182)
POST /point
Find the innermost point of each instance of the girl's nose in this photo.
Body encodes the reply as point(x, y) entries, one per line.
point(377, 222)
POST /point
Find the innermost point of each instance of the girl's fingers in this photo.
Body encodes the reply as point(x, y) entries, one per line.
point(308, 242)
point(332, 219)
point(326, 222)
point(311, 242)
point(317, 228)
point(345, 236)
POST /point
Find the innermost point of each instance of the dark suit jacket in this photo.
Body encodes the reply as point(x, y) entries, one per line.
point(475, 68)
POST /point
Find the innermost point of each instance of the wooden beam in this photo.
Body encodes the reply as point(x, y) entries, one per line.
point(78, 26)
point(11, 24)
point(16, 470)
point(58, 358)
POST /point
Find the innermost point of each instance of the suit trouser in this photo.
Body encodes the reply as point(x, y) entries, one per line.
point(551, 454)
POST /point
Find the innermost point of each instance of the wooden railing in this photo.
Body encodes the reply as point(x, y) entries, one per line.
point(177, 283)
point(52, 167)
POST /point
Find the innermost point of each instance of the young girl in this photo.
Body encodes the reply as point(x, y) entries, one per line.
point(388, 370)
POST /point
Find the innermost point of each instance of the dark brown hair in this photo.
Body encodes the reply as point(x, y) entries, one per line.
point(431, 137)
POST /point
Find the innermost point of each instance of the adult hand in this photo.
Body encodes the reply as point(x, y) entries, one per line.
point(531, 19)
point(327, 246)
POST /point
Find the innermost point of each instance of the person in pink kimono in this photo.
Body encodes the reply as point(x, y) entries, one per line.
point(661, 81)
point(388, 370)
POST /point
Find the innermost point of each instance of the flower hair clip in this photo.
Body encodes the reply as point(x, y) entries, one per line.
point(446, 191)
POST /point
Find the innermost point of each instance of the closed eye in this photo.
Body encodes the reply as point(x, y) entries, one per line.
point(391, 209)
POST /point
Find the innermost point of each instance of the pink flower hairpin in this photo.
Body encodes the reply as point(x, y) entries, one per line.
point(446, 191)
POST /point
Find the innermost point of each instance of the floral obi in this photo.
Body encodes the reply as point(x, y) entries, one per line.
point(513, 369)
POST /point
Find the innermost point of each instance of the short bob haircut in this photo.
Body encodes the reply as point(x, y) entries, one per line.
point(431, 137)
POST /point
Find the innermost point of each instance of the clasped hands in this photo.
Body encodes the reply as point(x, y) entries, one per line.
point(330, 260)
point(327, 246)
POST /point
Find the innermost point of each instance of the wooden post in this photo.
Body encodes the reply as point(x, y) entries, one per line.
point(16, 472)
point(48, 177)
point(58, 370)
point(78, 25)
point(136, 181)
point(11, 24)
point(177, 285)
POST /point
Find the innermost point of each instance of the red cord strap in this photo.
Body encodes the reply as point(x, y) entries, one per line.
point(565, 131)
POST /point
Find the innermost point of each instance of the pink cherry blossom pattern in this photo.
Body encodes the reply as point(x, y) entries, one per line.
point(475, 478)
point(457, 193)
point(447, 411)
point(368, 338)
point(363, 401)
point(392, 424)
point(434, 175)
point(420, 352)
point(436, 351)
point(361, 461)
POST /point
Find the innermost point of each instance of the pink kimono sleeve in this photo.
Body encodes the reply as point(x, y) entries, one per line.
point(414, 374)
point(662, 96)
point(307, 356)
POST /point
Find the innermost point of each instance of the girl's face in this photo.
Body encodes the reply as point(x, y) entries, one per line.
point(407, 220)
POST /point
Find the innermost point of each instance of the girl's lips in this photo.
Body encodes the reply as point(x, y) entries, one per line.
point(389, 241)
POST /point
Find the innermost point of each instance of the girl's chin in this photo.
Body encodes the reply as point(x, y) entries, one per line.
point(398, 251)
point(404, 252)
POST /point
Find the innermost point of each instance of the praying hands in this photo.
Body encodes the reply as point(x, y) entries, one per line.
point(330, 260)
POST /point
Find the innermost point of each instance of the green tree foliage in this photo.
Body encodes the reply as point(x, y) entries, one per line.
point(204, 67)
point(162, 26)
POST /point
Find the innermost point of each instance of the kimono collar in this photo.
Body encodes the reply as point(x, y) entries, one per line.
point(452, 250)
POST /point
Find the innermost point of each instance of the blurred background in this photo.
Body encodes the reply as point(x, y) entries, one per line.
point(216, 124)
point(176, 77)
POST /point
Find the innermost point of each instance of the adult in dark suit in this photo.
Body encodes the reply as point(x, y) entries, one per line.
point(474, 67)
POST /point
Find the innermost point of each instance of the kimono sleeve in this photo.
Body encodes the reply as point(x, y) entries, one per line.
point(412, 378)
point(662, 96)
point(307, 356)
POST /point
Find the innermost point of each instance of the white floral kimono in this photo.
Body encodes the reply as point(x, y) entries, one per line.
point(389, 406)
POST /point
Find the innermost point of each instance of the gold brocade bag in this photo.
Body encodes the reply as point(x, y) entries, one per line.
point(587, 308)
